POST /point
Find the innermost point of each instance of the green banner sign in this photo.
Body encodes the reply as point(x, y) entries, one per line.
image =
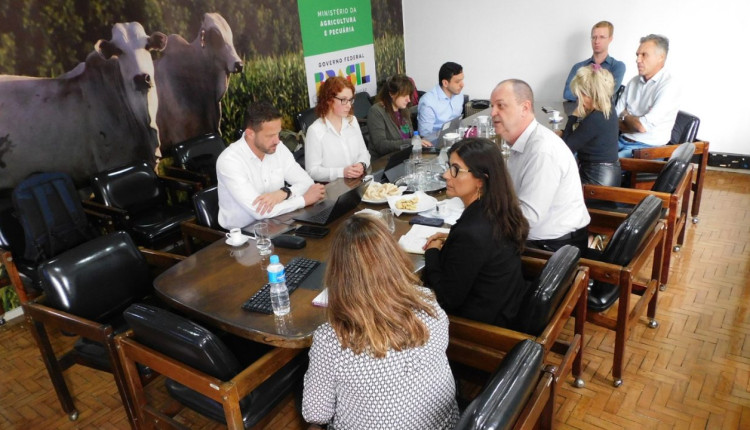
point(333, 25)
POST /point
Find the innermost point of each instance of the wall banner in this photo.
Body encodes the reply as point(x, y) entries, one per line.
point(337, 41)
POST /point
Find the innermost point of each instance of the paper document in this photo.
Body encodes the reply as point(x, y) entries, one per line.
point(321, 299)
point(413, 241)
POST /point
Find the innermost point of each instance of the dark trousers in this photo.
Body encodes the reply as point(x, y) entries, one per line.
point(608, 174)
point(578, 238)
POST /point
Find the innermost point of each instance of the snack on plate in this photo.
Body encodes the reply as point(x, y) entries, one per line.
point(408, 204)
point(377, 191)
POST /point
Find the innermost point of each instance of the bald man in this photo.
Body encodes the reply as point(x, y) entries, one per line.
point(543, 170)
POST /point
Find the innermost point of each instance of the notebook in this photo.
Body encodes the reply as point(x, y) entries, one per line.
point(329, 210)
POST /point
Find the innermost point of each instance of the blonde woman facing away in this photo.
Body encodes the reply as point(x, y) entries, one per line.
point(592, 130)
point(379, 362)
point(334, 146)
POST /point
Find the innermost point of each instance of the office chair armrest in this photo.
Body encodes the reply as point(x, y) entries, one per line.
point(187, 175)
point(621, 195)
point(654, 152)
point(178, 184)
point(480, 345)
point(65, 321)
point(641, 166)
point(160, 259)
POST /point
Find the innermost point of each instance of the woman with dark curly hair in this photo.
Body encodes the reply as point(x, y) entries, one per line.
point(334, 146)
point(475, 269)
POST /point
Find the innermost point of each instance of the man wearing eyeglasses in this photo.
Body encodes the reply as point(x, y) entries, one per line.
point(543, 170)
point(444, 102)
point(601, 37)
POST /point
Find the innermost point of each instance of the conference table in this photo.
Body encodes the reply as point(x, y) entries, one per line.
point(213, 283)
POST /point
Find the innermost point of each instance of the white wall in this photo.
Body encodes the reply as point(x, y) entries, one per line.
point(538, 41)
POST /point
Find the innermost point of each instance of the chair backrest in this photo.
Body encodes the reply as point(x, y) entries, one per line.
point(206, 204)
point(685, 128)
point(199, 153)
point(53, 220)
point(182, 340)
point(304, 119)
point(617, 94)
point(98, 279)
point(362, 105)
point(504, 396)
point(133, 187)
point(632, 232)
point(684, 152)
point(544, 296)
point(670, 176)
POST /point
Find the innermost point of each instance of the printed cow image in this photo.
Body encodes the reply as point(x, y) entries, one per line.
point(99, 115)
point(191, 80)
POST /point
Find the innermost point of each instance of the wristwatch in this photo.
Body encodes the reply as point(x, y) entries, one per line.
point(287, 191)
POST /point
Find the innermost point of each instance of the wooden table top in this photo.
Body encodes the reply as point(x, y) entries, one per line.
point(212, 284)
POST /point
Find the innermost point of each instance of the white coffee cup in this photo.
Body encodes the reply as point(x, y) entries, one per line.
point(556, 115)
point(235, 235)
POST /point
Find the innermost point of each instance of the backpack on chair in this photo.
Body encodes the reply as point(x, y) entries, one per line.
point(53, 220)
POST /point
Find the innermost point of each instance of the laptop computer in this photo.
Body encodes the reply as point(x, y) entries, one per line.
point(329, 210)
point(395, 160)
point(447, 127)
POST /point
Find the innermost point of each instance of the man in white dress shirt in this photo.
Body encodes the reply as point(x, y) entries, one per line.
point(257, 175)
point(648, 107)
point(543, 170)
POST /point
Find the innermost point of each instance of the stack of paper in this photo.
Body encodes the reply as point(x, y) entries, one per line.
point(413, 241)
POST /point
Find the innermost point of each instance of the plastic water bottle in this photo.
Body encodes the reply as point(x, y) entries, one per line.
point(416, 146)
point(279, 292)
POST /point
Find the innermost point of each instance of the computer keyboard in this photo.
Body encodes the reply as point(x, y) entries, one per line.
point(298, 269)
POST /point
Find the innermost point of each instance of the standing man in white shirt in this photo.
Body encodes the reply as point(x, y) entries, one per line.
point(648, 108)
point(543, 170)
point(254, 171)
point(442, 103)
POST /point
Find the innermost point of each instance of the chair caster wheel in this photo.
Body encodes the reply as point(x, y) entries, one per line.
point(578, 383)
point(617, 382)
point(73, 416)
point(676, 248)
point(662, 287)
point(653, 324)
point(695, 220)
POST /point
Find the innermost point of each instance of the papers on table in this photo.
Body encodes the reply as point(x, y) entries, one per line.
point(321, 299)
point(449, 210)
point(413, 241)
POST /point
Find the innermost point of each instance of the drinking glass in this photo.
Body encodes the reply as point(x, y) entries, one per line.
point(387, 216)
point(262, 239)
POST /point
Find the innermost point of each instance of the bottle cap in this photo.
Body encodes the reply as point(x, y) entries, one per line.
point(416, 132)
point(274, 259)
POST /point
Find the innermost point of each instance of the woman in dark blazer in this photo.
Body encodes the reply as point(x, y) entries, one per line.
point(389, 119)
point(475, 270)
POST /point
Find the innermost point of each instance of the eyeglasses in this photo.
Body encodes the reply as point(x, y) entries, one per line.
point(455, 169)
point(345, 101)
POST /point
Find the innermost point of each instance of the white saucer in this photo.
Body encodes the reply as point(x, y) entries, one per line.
point(240, 243)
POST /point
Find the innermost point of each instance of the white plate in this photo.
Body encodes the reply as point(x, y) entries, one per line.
point(385, 199)
point(424, 203)
point(240, 243)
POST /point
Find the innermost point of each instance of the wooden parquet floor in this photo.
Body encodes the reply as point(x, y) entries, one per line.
point(692, 372)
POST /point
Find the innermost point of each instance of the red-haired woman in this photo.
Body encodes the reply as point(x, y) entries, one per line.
point(334, 146)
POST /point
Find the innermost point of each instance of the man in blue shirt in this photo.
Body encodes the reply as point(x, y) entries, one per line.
point(601, 37)
point(444, 102)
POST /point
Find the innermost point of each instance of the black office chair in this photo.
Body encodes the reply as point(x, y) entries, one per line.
point(205, 226)
point(304, 119)
point(685, 128)
point(616, 96)
point(137, 197)
point(506, 400)
point(195, 159)
point(85, 291)
point(219, 378)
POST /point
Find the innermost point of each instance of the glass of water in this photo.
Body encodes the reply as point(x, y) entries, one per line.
point(262, 239)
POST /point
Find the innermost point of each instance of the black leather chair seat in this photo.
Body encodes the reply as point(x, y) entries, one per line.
point(154, 225)
point(197, 347)
point(505, 395)
point(622, 248)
